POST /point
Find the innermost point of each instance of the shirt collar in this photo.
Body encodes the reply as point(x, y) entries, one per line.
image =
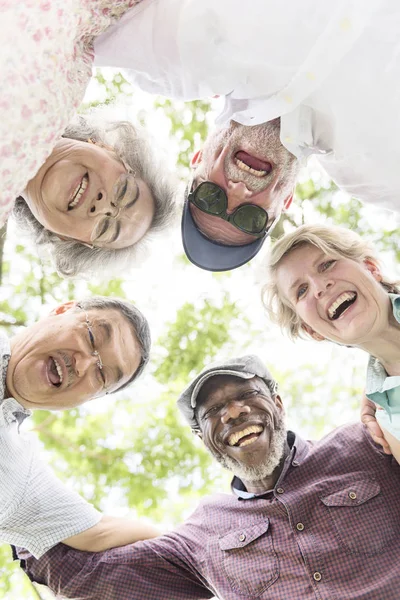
point(11, 409)
point(298, 452)
point(395, 300)
point(5, 353)
point(379, 383)
point(304, 133)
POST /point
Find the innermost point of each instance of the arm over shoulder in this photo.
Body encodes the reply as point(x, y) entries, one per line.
point(160, 569)
point(43, 511)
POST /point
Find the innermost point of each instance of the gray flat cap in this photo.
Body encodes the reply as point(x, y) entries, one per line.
point(245, 367)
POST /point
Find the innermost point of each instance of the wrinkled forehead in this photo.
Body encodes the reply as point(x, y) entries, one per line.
point(113, 327)
point(218, 230)
point(217, 387)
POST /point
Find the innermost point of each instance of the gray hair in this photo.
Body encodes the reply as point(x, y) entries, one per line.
point(137, 321)
point(132, 145)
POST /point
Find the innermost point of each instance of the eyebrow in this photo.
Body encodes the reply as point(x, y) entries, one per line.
point(298, 279)
point(116, 233)
point(119, 199)
point(107, 332)
point(106, 329)
point(242, 384)
point(294, 285)
point(135, 199)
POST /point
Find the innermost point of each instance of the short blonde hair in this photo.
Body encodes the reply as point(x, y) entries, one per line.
point(337, 242)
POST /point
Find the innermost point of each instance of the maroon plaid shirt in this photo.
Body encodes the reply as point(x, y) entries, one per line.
point(330, 530)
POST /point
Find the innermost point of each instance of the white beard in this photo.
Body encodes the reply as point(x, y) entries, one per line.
point(265, 469)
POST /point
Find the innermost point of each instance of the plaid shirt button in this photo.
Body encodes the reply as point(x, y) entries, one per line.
point(352, 495)
point(300, 526)
point(280, 490)
point(317, 576)
point(242, 537)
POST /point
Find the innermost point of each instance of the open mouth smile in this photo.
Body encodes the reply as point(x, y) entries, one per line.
point(251, 164)
point(77, 195)
point(341, 305)
point(55, 373)
point(246, 436)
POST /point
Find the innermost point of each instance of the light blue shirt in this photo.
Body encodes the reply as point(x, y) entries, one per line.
point(383, 389)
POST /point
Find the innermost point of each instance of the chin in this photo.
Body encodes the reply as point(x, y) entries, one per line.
point(264, 469)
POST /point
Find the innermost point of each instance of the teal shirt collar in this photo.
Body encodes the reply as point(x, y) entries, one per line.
point(381, 388)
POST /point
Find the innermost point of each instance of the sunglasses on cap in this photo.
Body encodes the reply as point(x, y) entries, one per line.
point(212, 199)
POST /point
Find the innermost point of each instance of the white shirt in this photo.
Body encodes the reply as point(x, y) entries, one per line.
point(331, 71)
point(36, 509)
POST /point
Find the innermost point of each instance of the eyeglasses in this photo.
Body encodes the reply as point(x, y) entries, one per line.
point(126, 191)
point(212, 199)
point(99, 362)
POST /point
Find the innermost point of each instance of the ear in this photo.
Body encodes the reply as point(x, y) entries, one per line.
point(196, 159)
point(313, 334)
point(278, 402)
point(62, 308)
point(373, 268)
point(288, 202)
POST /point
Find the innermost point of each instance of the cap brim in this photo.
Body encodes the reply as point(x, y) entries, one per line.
point(212, 256)
point(206, 376)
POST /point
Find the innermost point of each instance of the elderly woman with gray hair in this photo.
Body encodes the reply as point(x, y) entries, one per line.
point(327, 283)
point(46, 58)
point(98, 196)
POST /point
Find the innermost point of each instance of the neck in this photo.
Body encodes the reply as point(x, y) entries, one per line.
point(9, 394)
point(10, 391)
point(268, 483)
point(386, 346)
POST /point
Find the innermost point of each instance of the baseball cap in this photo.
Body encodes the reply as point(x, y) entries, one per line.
point(245, 367)
point(210, 255)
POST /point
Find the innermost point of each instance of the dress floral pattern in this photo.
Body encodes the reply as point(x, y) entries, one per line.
point(46, 62)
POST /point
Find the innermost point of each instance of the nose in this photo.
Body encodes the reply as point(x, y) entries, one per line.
point(102, 204)
point(237, 194)
point(233, 410)
point(320, 286)
point(83, 362)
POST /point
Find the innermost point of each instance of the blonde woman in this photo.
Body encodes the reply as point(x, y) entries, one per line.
point(326, 283)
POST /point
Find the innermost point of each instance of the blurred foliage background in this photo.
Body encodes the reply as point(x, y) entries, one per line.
point(131, 453)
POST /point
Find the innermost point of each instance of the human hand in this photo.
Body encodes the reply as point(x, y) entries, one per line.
point(368, 410)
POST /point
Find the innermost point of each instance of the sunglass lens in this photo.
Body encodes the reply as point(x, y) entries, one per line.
point(251, 219)
point(210, 198)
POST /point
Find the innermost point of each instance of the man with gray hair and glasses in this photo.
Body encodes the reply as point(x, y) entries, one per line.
point(298, 78)
point(80, 351)
point(304, 520)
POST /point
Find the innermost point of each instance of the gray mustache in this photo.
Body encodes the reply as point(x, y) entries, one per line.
point(68, 364)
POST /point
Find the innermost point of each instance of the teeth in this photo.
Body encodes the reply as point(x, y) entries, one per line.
point(235, 437)
point(78, 192)
point(335, 305)
point(246, 443)
point(245, 167)
point(59, 370)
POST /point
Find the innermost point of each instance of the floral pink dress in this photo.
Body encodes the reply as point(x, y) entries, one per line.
point(46, 56)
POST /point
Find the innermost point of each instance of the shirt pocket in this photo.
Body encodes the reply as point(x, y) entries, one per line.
point(361, 518)
point(246, 559)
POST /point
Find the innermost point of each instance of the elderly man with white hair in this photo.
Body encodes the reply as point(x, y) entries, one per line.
point(299, 79)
